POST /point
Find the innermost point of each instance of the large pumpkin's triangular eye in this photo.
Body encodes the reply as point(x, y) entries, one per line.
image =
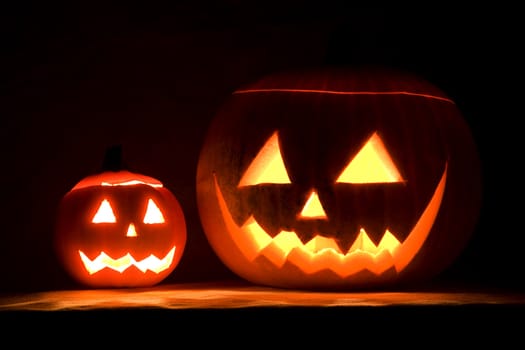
point(104, 213)
point(267, 167)
point(153, 214)
point(372, 164)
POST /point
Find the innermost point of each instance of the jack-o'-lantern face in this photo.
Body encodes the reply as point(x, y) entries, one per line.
point(105, 220)
point(119, 229)
point(314, 250)
point(334, 188)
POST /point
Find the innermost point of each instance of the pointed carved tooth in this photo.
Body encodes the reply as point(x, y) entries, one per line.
point(276, 249)
point(258, 235)
point(281, 246)
point(363, 243)
point(287, 240)
point(250, 236)
point(319, 243)
point(275, 254)
point(389, 242)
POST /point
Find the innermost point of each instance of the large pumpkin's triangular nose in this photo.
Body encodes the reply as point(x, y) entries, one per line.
point(313, 209)
point(131, 231)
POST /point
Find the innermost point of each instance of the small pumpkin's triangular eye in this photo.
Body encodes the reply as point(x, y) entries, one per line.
point(104, 213)
point(153, 214)
point(267, 167)
point(372, 164)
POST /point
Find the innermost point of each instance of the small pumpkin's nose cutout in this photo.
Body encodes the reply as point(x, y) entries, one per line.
point(313, 208)
point(131, 231)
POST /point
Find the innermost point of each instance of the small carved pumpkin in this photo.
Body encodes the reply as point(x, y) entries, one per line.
point(338, 179)
point(119, 229)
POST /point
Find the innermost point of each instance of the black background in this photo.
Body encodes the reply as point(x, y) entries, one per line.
point(76, 79)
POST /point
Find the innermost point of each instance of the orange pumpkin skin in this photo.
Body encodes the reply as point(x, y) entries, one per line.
point(405, 224)
point(129, 239)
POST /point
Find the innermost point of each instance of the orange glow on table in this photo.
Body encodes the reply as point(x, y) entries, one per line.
point(240, 295)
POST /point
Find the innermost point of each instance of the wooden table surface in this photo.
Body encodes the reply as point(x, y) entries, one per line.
point(226, 295)
point(232, 312)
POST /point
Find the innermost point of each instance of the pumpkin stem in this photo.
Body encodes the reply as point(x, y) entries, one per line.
point(113, 159)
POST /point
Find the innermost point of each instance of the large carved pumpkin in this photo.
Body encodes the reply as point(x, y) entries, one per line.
point(338, 179)
point(119, 229)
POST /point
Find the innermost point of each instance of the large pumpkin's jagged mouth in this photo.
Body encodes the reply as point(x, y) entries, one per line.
point(322, 253)
point(121, 264)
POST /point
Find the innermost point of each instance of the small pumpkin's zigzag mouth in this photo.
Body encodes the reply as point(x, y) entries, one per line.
point(121, 264)
point(323, 253)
